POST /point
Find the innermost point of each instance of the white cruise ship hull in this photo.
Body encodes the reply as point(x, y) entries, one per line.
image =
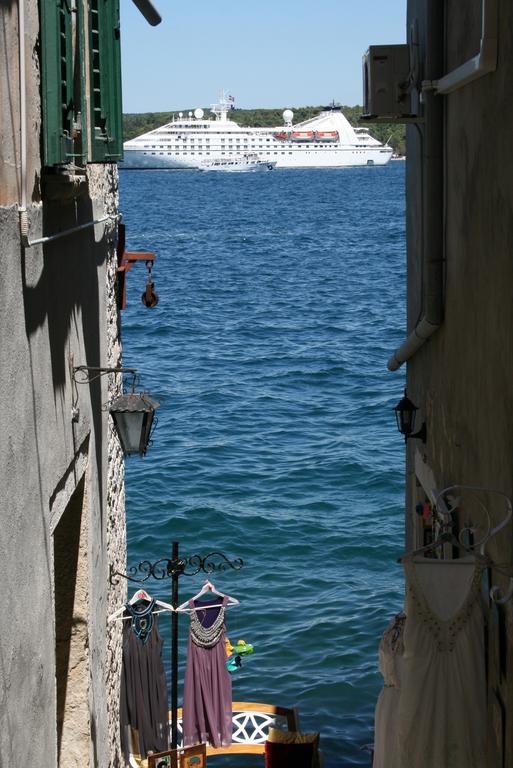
point(301, 157)
point(325, 141)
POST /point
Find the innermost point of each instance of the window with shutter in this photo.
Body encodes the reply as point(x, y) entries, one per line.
point(80, 81)
point(105, 112)
point(57, 81)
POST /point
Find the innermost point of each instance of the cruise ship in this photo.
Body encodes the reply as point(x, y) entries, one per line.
point(188, 141)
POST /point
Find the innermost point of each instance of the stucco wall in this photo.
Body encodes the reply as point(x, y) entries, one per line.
point(461, 379)
point(57, 309)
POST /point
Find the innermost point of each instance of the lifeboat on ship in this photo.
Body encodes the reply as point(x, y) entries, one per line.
point(326, 135)
point(281, 136)
point(302, 135)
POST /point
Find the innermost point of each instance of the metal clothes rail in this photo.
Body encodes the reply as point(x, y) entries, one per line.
point(173, 568)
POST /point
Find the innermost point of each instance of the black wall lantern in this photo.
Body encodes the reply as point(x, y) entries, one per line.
point(133, 415)
point(133, 412)
point(405, 414)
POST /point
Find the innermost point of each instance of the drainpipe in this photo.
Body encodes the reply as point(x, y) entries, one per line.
point(432, 195)
point(481, 64)
point(22, 208)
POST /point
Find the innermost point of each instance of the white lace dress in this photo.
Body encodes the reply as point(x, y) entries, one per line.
point(387, 706)
point(442, 707)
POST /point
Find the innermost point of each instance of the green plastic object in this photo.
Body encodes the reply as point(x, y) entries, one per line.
point(242, 649)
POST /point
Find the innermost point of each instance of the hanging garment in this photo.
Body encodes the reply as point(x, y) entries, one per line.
point(207, 698)
point(143, 705)
point(387, 706)
point(442, 707)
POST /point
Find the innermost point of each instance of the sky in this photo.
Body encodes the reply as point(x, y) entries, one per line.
point(266, 53)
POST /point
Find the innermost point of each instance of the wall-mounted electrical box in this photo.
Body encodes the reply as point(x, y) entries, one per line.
point(387, 93)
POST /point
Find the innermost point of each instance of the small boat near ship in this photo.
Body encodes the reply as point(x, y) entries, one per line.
point(244, 164)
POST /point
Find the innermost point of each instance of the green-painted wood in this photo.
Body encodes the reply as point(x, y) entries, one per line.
point(56, 81)
point(105, 109)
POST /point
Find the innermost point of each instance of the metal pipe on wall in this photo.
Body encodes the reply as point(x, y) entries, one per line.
point(481, 64)
point(432, 195)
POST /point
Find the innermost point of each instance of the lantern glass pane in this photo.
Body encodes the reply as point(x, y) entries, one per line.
point(148, 422)
point(408, 421)
point(130, 425)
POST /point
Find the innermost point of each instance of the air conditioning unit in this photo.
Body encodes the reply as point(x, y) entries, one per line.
point(387, 94)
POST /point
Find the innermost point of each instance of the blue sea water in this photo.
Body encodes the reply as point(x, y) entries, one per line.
point(281, 298)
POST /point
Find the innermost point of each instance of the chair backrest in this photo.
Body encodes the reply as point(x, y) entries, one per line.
point(251, 723)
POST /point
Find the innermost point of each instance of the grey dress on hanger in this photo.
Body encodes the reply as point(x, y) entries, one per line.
point(144, 704)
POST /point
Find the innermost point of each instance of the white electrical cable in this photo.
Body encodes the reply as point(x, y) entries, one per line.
point(22, 208)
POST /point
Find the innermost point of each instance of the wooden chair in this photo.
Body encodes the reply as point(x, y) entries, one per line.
point(251, 723)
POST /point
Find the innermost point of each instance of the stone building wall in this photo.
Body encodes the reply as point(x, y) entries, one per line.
point(461, 378)
point(62, 478)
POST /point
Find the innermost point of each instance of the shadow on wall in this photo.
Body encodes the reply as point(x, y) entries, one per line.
point(61, 291)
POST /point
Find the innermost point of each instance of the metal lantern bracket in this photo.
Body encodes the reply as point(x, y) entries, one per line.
point(86, 374)
point(173, 568)
point(133, 412)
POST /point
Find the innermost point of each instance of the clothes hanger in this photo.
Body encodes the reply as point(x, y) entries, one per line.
point(490, 533)
point(141, 594)
point(208, 587)
point(495, 590)
point(444, 538)
point(474, 488)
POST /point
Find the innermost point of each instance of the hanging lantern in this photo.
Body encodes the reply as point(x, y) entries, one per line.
point(133, 414)
point(405, 415)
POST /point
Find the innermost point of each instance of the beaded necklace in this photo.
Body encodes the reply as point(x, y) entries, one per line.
point(206, 637)
point(142, 619)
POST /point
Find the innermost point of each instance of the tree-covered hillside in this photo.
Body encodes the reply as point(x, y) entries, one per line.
point(135, 124)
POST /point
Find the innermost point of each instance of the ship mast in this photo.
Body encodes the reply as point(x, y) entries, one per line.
point(220, 109)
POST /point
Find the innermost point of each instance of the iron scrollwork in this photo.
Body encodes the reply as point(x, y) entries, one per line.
point(214, 561)
point(165, 567)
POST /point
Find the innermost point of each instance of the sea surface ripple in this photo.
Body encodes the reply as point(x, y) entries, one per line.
point(281, 298)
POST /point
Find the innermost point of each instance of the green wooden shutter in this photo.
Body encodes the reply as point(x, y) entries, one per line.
point(56, 81)
point(105, 112)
